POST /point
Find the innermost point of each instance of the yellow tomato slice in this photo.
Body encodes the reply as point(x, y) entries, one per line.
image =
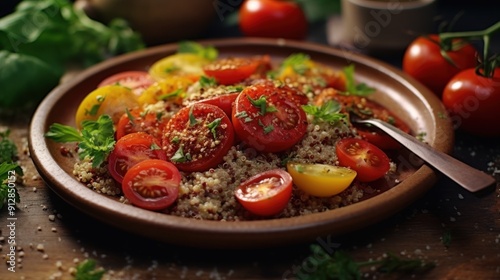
point(321, 179)
point(112, 100)
point(172, 88)
point(179, 64)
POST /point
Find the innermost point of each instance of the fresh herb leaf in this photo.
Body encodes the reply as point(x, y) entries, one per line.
point(213, 127)
point(180, 157)
point(352, 87)
point(328, 112)
point(267, 129)
point(87, 271)
point(299, 62)
point(8, 150)
point(8, 173)
point(177, 93)
point(341, 266)
point(95, 141)
point(207, 52)
point(261, 103)
point(35, 56)
point(192, 119)
point(207, 81)
point(63, 133)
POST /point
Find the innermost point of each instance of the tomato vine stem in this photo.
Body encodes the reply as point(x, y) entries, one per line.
point(487, 67)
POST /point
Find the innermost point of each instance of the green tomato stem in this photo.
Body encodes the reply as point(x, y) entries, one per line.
point(489, 64)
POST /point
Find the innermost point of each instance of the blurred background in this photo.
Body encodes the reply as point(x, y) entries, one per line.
point(199, 19)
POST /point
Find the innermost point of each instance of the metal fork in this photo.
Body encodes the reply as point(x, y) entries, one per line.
point(466, 176)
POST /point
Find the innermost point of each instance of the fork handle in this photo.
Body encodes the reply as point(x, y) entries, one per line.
point(466, 176)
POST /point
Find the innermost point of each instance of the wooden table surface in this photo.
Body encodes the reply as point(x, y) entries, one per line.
point(457, 230)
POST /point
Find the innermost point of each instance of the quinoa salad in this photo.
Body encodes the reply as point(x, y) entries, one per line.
point(219, 122)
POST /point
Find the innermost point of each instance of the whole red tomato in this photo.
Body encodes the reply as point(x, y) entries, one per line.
point(473, 102)
point(424, 62)
point(272, 18)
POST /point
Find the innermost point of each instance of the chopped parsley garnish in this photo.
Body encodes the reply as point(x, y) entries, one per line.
point(154, 146)
point(213, 127)
point(261, 103)
point(298, 62)
point(96, 139)
point(207, 81)
point(232, 89)
point(192, 120)
point(177, 93)
point(8, 150)
point(352, 87)
point(328, 112)
point(130, 117)
point(267, 129)
point(94, 109)
point(172, 68)
point(207, 52)
point(180, 157)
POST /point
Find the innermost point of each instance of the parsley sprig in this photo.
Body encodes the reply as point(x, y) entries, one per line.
point(8, 150)
point(299, 62)
point(328, 112)
point(207, 52)
point(353, 88)
point(6, 169)
point(341, 266)
point(261, 103)
point(87, 270)
point(96, 139)
point(8, 156)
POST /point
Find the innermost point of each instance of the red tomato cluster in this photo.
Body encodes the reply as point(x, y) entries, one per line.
point(471, 99)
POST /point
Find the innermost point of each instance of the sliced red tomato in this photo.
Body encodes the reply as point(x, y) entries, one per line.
point(137, 81)
point(267, 118)
point(224, 101)
point(140, 121)
point(267, 193)
point(198, 137)
point(370, 162)
point(228, 71)
point(367, 108)
point(130, 150)
point(152, 184)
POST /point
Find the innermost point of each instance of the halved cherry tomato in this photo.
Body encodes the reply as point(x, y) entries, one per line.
point(267, 193)
point(130, 150)
point(228, 71)
point(110, 100)
point(267, 118)
point(198, 137)
point(224, 101)
point(137, 81)
point(423, 61)
point(179, 64)
point(366, 108)
point(321, 179)
point(152, 184)
point(149, 122)
point(370, 162)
